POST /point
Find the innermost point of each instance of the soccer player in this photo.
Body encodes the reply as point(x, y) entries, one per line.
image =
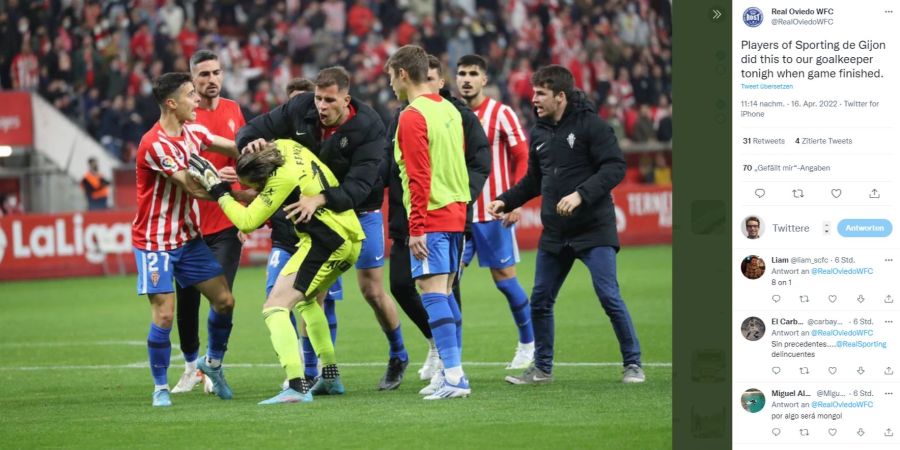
point(574, 162)
point(329, 244)
point(478, 165)
point(348, 136)
point(221, 117)
point(284, 245)
point(429, 150)
point(495, 240)
point(166, 236)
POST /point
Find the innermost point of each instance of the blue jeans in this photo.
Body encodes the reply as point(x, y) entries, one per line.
point(551, 272)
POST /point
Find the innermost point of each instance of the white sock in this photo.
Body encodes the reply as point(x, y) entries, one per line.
point(454, 374)
point(190, 366)
point(161, 387)
point(431, 346)
point(528, 347)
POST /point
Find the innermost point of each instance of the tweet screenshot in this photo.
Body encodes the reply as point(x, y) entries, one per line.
point(816, 268)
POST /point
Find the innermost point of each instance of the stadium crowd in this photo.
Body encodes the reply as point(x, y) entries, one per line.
point(94, 60)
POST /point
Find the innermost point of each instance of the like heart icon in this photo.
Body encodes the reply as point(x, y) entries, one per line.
point(832, 298)
point(835, 193)
point(777, 431)
point(776, 370)
point(832, 431)
point(832, 370)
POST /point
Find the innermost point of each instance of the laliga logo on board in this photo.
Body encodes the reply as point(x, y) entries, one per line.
point(93, 241)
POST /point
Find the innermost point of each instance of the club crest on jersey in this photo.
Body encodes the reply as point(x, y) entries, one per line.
point(154, 278)
point(231, 125)
point(571, 140)
point(168, 163)
point(344, 142)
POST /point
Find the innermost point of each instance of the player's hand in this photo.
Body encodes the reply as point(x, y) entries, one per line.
point(566, 206)
point(254, 146)
point(512, 217)
point(228, 174)
point(304, 209)
point(495, 208)
point(204, 172)
point(418, 247)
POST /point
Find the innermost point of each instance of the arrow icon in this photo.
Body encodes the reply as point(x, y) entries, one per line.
point(860, 370)
point(716, 14)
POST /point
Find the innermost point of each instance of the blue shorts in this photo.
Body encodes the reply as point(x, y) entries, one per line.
point(372, 254)
point(444, 252)
point(189, 265)
point(495, 245)
point(278, 257)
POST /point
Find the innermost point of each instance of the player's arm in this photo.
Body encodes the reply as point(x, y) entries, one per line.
point(608, 160)
point(223, 146)
point(516, 142)
point(188, 184)
point(413, 142)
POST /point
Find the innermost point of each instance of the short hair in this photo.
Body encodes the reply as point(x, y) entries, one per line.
point(300, 84)
point(556, 78)
point(167, 84)
point(333, 76)
point(473, 60)
point(754, 218)
point(203, 55)
point(258, 167)
point(435, 63)
point(411, 58)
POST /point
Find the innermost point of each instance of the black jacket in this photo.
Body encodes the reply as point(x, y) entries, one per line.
point(355, 153)
point(580, 153)
point(478, 163)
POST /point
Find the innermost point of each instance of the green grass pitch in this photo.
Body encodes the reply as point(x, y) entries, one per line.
point(73, 373)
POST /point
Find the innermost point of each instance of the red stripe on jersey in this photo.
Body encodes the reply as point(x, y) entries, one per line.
point(506, 137)
point(167, 216)
point(223, 121)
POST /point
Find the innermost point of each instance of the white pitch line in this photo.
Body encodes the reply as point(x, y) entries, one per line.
point(71, 344)
point(144, 365)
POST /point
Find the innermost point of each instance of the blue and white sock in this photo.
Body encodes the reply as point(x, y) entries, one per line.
point(518, 304)
point(457, 316)
point(443, 327)
point(159, 350)
point(395, 339)
point(219, 328)
point(310, 360)
point(331, 316)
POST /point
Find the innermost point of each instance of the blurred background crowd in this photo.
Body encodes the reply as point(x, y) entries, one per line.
point(94, 59)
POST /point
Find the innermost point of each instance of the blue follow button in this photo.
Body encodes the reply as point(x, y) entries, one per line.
point(865, 228)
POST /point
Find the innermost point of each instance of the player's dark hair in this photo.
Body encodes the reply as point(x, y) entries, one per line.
point(167, 84)
point(435, 63)
point(556, 78)
point(333, 76)
point(411, 58)
point(203, 55)
point(258, 167)
point(473, 60)
point(754, 218)
point(300, 84)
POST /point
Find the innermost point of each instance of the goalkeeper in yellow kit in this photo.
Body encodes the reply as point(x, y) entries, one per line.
point(329, 245)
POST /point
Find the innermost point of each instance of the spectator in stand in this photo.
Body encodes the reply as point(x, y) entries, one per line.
point(360, 19)
point(96, 188)
point(24, 71)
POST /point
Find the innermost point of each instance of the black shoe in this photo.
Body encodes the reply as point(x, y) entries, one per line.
point(393, 376)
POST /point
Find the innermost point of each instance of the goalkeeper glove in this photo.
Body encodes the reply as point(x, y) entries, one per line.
point(205, 173)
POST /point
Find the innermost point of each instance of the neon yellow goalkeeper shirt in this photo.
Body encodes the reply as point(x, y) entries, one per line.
point(302, 173)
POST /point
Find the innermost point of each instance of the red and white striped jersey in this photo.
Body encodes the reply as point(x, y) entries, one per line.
point(508, 145)
point(167, 216)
